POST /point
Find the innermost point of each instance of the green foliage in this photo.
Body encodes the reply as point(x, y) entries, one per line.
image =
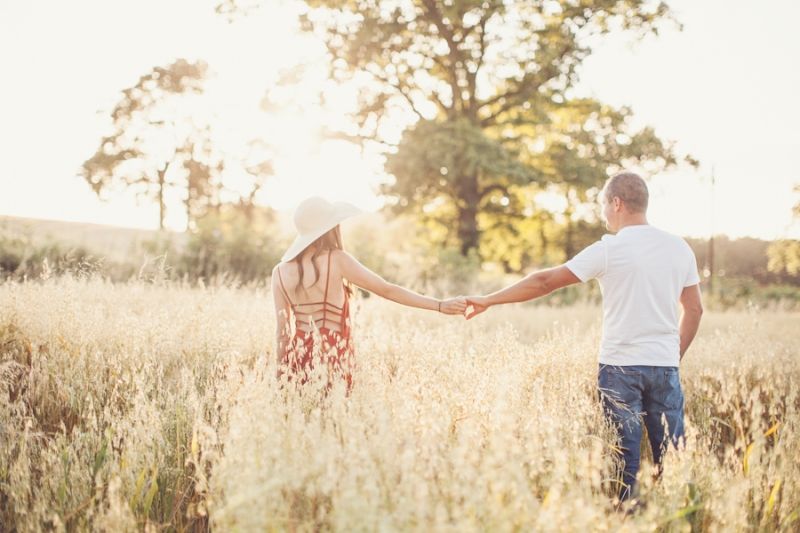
point(434, 156)
point(454, 273)
point(736, 292)
point(21, 257)
point(228, 243)
point(784, 257)
point(455, 166)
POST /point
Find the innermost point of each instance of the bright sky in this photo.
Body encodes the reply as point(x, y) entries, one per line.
point(725, 89)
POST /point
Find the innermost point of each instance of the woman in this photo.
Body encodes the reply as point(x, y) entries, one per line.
point(311, 291)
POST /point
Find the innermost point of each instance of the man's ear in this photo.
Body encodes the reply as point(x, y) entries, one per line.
point(617, 203)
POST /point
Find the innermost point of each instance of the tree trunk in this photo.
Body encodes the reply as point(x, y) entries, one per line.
point(569, 246)
point(161, 186)
point(468, 234)
point(543, 235)
point(188, 213)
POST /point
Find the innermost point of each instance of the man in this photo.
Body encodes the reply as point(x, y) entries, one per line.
point(643, 273)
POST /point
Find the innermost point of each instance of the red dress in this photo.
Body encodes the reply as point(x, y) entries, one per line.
point(320, 345)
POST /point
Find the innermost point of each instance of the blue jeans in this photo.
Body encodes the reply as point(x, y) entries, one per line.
point(634, 394)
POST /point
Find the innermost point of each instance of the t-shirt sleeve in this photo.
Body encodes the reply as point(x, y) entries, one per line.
point(692, 277)
point(590, 262)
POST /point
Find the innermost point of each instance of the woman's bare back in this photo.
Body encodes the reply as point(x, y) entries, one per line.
point(309, 300)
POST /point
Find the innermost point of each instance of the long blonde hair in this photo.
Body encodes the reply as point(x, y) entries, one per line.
point(328, 241)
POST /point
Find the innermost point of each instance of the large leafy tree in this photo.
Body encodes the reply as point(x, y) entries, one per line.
point(489, 84)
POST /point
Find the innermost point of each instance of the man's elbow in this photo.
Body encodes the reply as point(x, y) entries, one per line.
point(553, 279)
point(542, 283)
point(694, 310)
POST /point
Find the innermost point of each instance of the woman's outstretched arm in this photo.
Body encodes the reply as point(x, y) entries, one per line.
point(365, 278)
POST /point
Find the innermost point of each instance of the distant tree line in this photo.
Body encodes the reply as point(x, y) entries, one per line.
point(747, 258)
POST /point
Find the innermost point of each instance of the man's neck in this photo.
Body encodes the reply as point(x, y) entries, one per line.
point(637, 220)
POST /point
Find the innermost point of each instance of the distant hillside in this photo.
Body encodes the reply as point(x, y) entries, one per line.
point(115, 243)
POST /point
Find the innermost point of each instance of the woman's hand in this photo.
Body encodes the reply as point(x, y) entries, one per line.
point(453, 306)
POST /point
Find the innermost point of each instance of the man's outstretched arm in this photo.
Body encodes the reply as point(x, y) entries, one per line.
point(531, 286)
point(692, 307)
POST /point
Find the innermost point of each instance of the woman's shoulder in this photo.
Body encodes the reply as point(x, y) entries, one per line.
point(285, 271)
point(339, 256)
point(344, 260)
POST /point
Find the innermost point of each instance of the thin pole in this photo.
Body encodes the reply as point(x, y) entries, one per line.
point(711, 238)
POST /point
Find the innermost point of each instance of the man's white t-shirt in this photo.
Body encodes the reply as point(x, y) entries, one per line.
point(642, 271)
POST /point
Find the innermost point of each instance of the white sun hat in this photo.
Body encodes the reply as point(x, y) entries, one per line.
point(313, 217)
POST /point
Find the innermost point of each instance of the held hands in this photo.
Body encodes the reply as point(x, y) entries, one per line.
point(453, 306)
point(475, 306)
point(468, 307)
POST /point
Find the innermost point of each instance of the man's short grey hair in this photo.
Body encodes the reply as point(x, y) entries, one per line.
point(630, 188)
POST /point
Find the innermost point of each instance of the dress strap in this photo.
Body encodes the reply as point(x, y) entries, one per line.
point(327, 282)
point(344, 318)
point(283, 288)
point(327, 277)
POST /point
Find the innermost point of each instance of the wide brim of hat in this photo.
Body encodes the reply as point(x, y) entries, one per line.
point(342, 211)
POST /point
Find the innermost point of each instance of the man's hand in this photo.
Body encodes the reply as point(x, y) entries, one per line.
point(476, 305)
point(454, 306)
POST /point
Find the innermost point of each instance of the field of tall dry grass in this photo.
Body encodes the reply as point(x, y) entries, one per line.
point(154, 406)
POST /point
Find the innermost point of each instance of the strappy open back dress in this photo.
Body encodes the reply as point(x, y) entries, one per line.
point(321, 344)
